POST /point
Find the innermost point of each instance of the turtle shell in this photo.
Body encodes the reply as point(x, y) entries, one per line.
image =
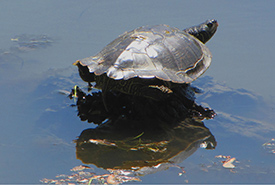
point(159, 51)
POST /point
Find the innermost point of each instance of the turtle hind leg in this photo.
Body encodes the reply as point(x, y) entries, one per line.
point(162, 88)
point(154, 92)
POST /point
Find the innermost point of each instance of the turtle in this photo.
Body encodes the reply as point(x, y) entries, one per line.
point(150, 61)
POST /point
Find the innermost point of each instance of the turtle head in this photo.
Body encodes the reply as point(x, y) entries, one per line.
point(203, 31)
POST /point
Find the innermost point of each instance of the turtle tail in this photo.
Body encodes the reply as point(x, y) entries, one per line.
point(84, 72)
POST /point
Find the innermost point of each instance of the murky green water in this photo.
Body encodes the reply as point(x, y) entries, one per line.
point(38, 125)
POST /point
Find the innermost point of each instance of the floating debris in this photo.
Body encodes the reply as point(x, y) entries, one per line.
point(84, 175)
point(270, 146)
point(118, 179)
point(223, 157)
point(80, 168)
point(228, 163)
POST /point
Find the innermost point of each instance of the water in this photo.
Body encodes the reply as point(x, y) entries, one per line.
point(38, 125)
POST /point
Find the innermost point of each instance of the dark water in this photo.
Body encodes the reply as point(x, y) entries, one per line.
point(38, 125)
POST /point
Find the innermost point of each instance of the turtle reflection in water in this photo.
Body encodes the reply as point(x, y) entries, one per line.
point(139, 135)
point(151, 62)
point(144, 150)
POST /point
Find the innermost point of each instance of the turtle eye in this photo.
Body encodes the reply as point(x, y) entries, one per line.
point(209, 25)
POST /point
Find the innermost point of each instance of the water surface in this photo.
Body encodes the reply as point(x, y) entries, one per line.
point(39, 126)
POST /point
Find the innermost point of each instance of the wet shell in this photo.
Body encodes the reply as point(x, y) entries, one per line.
point(160, 51)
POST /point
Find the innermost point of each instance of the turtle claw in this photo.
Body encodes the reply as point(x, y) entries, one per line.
point(89, 87)
point(204, 113)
